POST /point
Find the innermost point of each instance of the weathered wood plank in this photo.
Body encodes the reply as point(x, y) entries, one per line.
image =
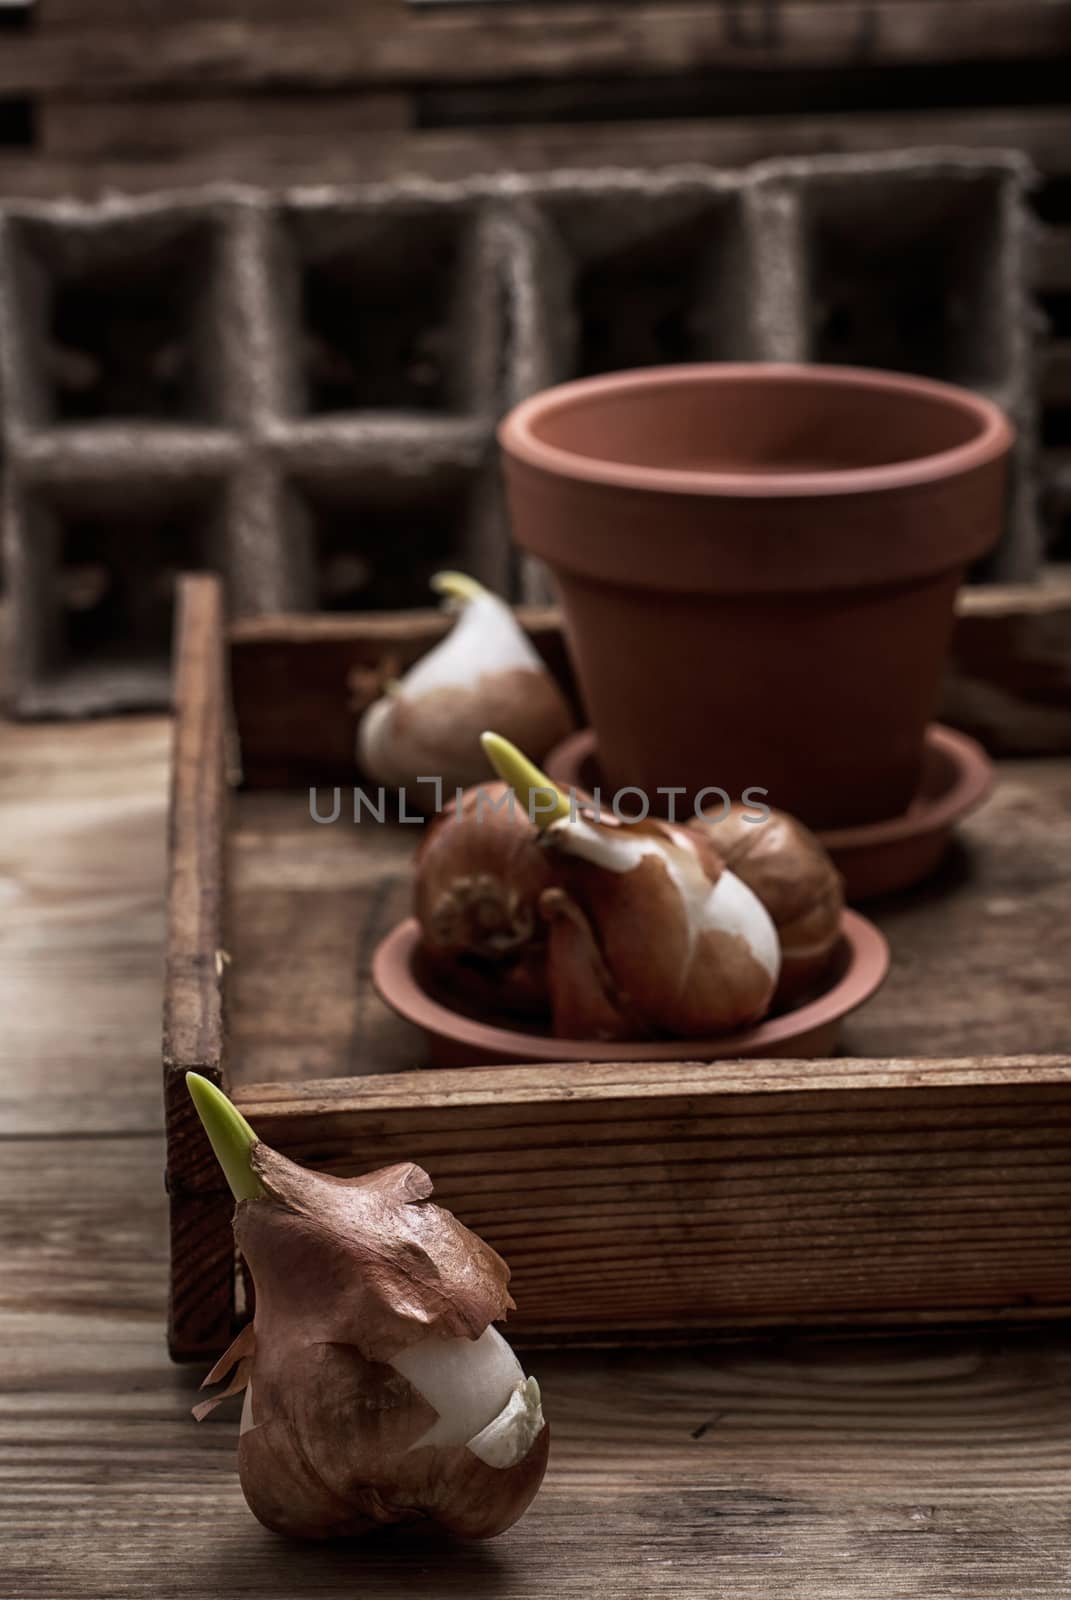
point(82, 1221)
point(937, 1468)
point(66, 16)
point(193, 1018)
point(983, 946)
point(234, 129)
point(800, 1470)
point(202, 1282)
point(526, 41)
point(1043, 133)
point(1008, 678)
point(82, 868)
point(742, 1202)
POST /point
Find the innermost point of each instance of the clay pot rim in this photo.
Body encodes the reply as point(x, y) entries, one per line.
point(517, 436)
point(394, 978)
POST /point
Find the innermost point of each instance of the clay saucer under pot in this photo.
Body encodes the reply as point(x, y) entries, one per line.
point(876, 857)
point(458, 1038)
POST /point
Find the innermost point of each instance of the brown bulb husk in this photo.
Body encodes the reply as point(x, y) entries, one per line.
point(513, 990)
point(478, 876)
point(794, 877)
point(645, 968)
point(437, 733)
point(587, 1002)
point(348, 1274)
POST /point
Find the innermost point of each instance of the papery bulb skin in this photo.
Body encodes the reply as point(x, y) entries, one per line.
point(378, 1390)
point(794, 877)
point(689, 950)
point(478, 877)
point(485, 672)
point(586, 1001)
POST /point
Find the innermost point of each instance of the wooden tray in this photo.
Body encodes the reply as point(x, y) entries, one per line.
point(925, 1178)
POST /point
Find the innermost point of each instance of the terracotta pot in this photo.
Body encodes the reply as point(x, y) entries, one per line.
point(757, 566)
point(460, 1038)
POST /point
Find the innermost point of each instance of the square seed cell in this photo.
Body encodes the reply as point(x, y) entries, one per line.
point(384, 303)
point(103, 566)
point(115, 319)
point(909, 273)
point(377, 543)
point(655, 277)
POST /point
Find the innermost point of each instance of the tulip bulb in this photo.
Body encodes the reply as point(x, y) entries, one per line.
point(478, 876)
point(376, 1388)
point(486, 670)
point(794, 877)
point(649, 930)
point(479, 873)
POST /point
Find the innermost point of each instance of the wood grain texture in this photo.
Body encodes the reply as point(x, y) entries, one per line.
point(935, 1468)
point(408, 46)
point(1043, 133)
point(981, 953)
point(202, 1282)
point(193, 1019)
point(233, 128)
point(635, 1204)
point(82, 870)
point(1008, 679)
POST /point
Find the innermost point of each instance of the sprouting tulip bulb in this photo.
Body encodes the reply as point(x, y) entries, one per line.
point(485, 669)
point(457, 586)
point(229, 1134)
point(541, 798)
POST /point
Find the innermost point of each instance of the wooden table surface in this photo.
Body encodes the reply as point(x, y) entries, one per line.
point(938, 1469)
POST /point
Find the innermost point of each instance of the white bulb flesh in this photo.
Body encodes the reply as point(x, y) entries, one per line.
point(467, 1381)
point(373, 741)
point(486, 638)
point(727, 906)
point(732, 907)
point(511, 1435)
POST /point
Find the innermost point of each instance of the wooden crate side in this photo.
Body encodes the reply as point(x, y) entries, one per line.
point(675, 1199)
point(300, 682)
point(387, 44)
point(1008, 678)
point(201, 1301)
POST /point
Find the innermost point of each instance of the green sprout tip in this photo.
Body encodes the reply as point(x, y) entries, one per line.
point(229, 1134)
point(542, 799)
point(457, 586)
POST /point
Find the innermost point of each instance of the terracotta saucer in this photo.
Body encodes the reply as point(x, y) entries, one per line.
point(877, 857)
point(458, 1038)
